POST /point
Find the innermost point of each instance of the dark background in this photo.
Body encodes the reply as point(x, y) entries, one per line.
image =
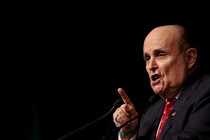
point(64, 63)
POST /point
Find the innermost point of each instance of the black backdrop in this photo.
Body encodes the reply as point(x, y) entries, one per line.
point(67, 63)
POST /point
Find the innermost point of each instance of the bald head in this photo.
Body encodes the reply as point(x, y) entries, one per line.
point(173, 34)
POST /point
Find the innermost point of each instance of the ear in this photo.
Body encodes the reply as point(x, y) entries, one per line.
point(191, 57)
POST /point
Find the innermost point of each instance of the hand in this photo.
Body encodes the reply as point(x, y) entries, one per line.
point(124, 113)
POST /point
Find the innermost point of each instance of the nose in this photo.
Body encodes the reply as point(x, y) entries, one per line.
point(151, 64)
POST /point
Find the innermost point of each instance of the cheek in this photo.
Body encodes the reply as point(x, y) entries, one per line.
point(173, 65)
point(171, 71)
point(179, 67)
point(149, 73)
point(147, 70)
point(175, 72)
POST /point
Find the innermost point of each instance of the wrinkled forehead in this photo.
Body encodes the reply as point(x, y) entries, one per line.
point(160, 40)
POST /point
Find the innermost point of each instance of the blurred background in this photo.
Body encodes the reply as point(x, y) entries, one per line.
point(64, 63)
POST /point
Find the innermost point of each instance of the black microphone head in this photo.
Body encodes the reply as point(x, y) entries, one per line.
point(117, 103)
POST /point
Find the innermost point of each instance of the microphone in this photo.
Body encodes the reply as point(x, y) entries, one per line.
point(151, 101)
point(115, 105)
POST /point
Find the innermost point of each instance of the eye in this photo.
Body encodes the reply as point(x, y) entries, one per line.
point(161, 54)
point(146, 58)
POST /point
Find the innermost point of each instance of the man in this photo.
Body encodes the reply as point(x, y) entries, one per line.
point(174, 73)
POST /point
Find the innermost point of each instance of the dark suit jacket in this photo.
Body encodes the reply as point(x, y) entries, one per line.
point(190, 117)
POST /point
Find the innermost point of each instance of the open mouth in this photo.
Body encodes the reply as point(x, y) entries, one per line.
point(155, 79)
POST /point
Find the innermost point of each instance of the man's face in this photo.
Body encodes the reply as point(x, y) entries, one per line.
point(165, 64)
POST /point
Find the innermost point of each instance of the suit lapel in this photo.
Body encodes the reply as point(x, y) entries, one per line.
point(185, 94)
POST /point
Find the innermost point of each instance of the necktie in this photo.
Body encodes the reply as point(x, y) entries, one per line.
point(167, 109)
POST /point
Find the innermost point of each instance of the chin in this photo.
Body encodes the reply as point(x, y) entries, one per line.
point(161, 93)
point(158, 91)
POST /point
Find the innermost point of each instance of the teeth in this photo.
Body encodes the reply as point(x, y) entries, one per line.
point(156, 76)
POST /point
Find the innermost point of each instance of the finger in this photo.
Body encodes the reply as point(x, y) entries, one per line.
point(124, 96)
point(124, 111)
point(115, 115)
point(120, 118)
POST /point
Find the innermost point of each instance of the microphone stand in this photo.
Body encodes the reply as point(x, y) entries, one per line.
point(117, 103)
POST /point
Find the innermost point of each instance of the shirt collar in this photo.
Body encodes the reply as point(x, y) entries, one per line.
point(177, 95)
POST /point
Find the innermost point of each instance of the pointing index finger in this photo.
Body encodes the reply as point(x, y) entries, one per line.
point(124, 96)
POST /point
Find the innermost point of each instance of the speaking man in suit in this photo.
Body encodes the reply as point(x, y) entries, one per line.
point(183, 110)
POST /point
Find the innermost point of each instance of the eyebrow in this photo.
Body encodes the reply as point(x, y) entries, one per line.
point(155, 51)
